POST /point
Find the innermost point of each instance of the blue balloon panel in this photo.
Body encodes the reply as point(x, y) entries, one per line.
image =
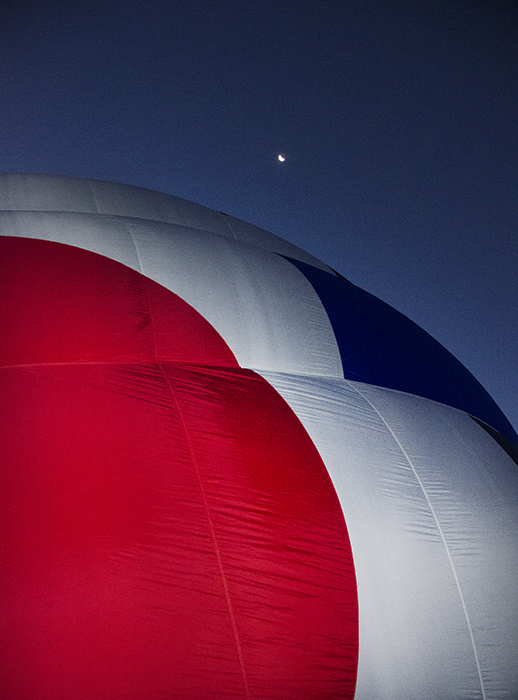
point(379, 345)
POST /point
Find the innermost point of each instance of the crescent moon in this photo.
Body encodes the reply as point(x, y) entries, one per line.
point(281, 158)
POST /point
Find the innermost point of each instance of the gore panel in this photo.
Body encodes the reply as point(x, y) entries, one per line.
point(262, 306)
point(430, 504)
point(380, 346)
point(105, 235)
point(110, 588)
point(167, 532)
point(141, 203)
point(24, 192)
point(71, 194)
point(281, 536)
point(71, 305)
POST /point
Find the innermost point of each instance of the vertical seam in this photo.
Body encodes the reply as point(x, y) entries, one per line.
point(142, 272)
point(213, 535)
point(229, 226)
point(206, 506)
point(93, 195)
point(441, 534)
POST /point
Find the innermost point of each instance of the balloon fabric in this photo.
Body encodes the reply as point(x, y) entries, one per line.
point(227, 472)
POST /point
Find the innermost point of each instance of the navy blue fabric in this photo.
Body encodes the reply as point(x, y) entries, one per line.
point(380, 346)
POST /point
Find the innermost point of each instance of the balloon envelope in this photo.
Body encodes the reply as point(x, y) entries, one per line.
point(228, 472)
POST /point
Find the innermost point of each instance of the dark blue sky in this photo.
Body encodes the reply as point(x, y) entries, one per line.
point(399, 121)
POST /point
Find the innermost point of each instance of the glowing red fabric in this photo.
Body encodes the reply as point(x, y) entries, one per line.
point(168, 527)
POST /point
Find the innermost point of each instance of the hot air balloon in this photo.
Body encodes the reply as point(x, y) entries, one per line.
point(227, 472)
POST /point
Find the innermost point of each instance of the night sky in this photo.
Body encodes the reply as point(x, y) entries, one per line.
point(398, 121)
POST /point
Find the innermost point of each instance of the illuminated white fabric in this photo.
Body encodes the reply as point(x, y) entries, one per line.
point(263, 307)
point(429, 499)
point(81, 195)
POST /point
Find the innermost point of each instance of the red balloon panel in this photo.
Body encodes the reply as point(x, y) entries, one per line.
point(66, 304)
point(168, 531)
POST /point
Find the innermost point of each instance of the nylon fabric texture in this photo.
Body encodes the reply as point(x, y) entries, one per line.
point(435, 558)
point(52, 193)
point(233, 285)
point(382, 347)
point(169, 527)
point(229, 473)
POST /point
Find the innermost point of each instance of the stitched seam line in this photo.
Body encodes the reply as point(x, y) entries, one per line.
point(207, 510)
point(441, 534)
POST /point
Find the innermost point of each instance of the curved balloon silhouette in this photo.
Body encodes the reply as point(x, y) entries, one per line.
point(227, 472)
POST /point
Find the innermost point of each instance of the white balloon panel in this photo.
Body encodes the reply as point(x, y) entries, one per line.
point(430, 504)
